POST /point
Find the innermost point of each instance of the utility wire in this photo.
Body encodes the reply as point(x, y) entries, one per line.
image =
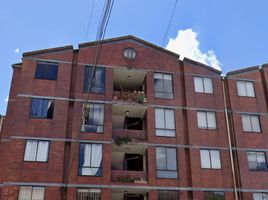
point(170, 21)
point(105, 17)
point(90, 17)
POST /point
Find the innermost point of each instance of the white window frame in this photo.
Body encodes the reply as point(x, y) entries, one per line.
point(248, 123)
point(92, 193)
point(214, 163)
point(33, 153)
point(244, 87)
point(32, 194)
point(206, 85)
point(208, 123)
point(165, 131)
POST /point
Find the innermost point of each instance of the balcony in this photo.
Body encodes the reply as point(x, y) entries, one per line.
point(129, 164)
point(129, 121)
point(129, 86)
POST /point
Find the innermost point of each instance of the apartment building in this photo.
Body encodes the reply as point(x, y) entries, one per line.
point(149, 126)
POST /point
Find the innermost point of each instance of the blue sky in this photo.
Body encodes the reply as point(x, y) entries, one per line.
point(232, 33)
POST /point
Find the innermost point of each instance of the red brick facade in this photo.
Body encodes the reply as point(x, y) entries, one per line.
point(63, 130)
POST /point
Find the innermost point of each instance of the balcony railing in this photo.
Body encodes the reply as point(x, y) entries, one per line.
point(124, 176)
point(139, 135)
point(133, 96)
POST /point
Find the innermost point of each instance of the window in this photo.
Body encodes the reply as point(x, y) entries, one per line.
point(89, 194)
point(203, 85)
point(166, 162)
point(36, 151)
point(48, 71)
point(167, 194)
point(210, 159)
point(251, 123)
point(260, 196)
point(98, 80)
point(206, 120)
point(31, 193)
point(93, 117)
point(257, 161)
point(214, 195)
point(164, 122)
point(90, 159)
point(163, 86)
point(42, 108)
point(245, 88)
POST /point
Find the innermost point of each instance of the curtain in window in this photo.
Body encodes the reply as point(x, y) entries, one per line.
point(261, 160)
point(167, 83)
point(215, 159)
point(205, 159)
point(255, 124)
point(252, 160)
point(96, 158)
point(25, 193)
point(241, 88)
point(30, 150)
point(211, 120)
point(198, 84)
point(246, 123)
point(42, 153)
point(169, 119)
point(208, 85)
point(201, 120)
point(171, 159)
point(159, 118)
point(161, 159)
point(249, 89)
point(38, 193)
point(87, 160)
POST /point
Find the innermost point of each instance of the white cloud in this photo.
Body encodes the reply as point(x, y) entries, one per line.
point(6, 99)
point(17, 50)
point(186, 44)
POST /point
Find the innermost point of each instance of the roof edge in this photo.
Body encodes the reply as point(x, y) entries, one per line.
point(17, 65)
point(132, 38)
point(202, 65)
point(243, 70)
point(30, 53)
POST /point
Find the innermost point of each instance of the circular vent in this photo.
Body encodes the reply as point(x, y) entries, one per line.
point(130, 53)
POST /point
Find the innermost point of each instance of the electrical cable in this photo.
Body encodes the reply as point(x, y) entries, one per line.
point(170, 21)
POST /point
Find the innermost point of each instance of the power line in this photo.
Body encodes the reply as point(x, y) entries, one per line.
point(170, 20)
point(105, 17)
point(90, 17)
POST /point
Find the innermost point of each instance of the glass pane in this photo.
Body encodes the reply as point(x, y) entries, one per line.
point(42, 152)
point(241, 88)
point(205, 159)
point(250, 89)
point(38, 193)
point(168, 86)
point(261, 160)
point(50, 109)
point(198, 84)
point(255, 124)
point(30, 150)
point(52, 71)
point(252, 160)
point(171, 159)
point(257, 196)
point(167, 77)
point(201, 120)
point(36, 107)
point(211, 120)
point(208, 85)
point(158, 76)
point(215, 159)
point(169, 119)
point(158, 85)
point(159, 118)
point(161, 159)
point(246, 123)
point(167, 174)
point(25, 193)
point(40, 71)
point(167, 194)
point(88, 71)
